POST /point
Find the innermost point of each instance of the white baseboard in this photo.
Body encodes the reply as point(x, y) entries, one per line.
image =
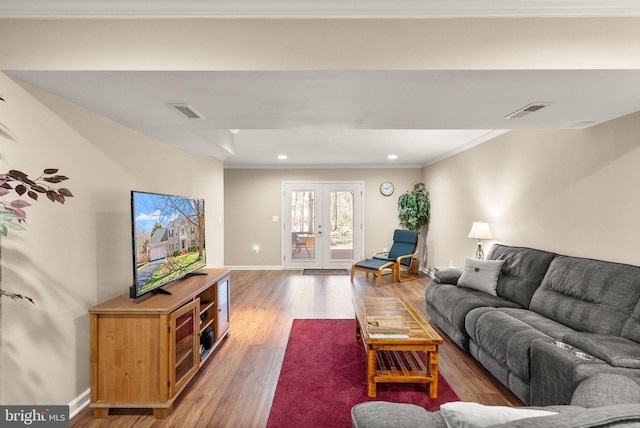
point(79, 403)
point(254, 267)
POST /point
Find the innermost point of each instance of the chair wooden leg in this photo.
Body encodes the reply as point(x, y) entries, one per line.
point(407, 277)
point(352, 272)
point(378, 276)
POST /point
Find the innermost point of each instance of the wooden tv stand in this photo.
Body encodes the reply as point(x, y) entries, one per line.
point(145, 351)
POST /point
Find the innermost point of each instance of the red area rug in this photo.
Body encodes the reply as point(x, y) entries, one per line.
point(323, 376)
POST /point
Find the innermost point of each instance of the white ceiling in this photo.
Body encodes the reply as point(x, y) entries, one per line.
point(338, 118)
point(348, 118)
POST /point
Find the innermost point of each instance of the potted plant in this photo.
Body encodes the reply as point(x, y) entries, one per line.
point(414, 211)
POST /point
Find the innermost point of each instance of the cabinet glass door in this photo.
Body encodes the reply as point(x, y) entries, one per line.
point(222, 321)
point(183, 342)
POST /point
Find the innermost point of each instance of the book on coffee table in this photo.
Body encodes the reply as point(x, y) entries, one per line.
point(387, 324)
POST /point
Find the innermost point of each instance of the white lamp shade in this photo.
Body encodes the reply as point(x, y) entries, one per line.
point(480, 230)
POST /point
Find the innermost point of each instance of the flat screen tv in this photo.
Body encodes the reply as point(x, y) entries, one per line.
point(168, 240)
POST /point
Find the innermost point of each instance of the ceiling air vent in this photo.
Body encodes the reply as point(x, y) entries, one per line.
point(526, 110)
point(186, 110)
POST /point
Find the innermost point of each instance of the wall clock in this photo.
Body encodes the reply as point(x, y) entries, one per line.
point(386, 188)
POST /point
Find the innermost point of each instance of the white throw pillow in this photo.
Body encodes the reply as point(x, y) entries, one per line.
point(460, 414)
point(481, 275)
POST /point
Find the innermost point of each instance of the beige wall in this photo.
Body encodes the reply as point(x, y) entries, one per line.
point(73, 256)
point(253, 197)
point(320, 44)
point(569, 191)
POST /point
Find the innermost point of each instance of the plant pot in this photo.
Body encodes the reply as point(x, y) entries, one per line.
point(415, 266)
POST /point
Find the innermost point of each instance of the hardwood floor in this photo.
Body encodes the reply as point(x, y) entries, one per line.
point(236, 386)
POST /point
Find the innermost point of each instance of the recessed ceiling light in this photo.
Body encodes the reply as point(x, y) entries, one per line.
point(392, 157)
point(282, 157)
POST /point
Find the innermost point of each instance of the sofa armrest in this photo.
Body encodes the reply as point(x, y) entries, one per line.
point(616, 351)
point(449, 276)
point(606, 389)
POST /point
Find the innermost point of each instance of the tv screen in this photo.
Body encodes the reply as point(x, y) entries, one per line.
point(168, 239)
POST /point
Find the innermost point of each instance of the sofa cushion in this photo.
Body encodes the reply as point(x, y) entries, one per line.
point(381, 414)
point(617, 351)
point(448, 306)
point(503, 337)
point(459, 414)
point(591, 295)
point(506, 334)
point(522, 271)
point(481, 275)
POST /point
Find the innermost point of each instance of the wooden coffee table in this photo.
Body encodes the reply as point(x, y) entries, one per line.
point(409, 358)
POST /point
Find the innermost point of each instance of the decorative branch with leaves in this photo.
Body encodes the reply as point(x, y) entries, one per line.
point(13, 214)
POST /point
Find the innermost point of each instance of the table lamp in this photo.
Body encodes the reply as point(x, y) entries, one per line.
point(480, 230)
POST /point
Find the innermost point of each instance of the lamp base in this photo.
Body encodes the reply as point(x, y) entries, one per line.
point(480, 251)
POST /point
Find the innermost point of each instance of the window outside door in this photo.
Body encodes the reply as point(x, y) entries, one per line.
point(322, 224)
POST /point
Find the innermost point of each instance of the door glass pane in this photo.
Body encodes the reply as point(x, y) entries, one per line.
point(302, 225)
point(341, 225)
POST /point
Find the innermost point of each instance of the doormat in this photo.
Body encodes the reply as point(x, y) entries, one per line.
point(325, 272)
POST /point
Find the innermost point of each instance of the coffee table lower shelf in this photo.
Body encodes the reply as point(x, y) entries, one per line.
point(394, 366)
point(400, 364)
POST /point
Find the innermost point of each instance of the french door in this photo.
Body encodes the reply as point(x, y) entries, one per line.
point(322, 224)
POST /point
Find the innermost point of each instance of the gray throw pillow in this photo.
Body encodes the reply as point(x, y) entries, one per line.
point(481, 275)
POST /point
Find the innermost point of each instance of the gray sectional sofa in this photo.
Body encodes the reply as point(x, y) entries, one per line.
point(602, 400)
point(543, 301)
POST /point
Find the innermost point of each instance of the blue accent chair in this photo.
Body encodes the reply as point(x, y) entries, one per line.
point(403, 249)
